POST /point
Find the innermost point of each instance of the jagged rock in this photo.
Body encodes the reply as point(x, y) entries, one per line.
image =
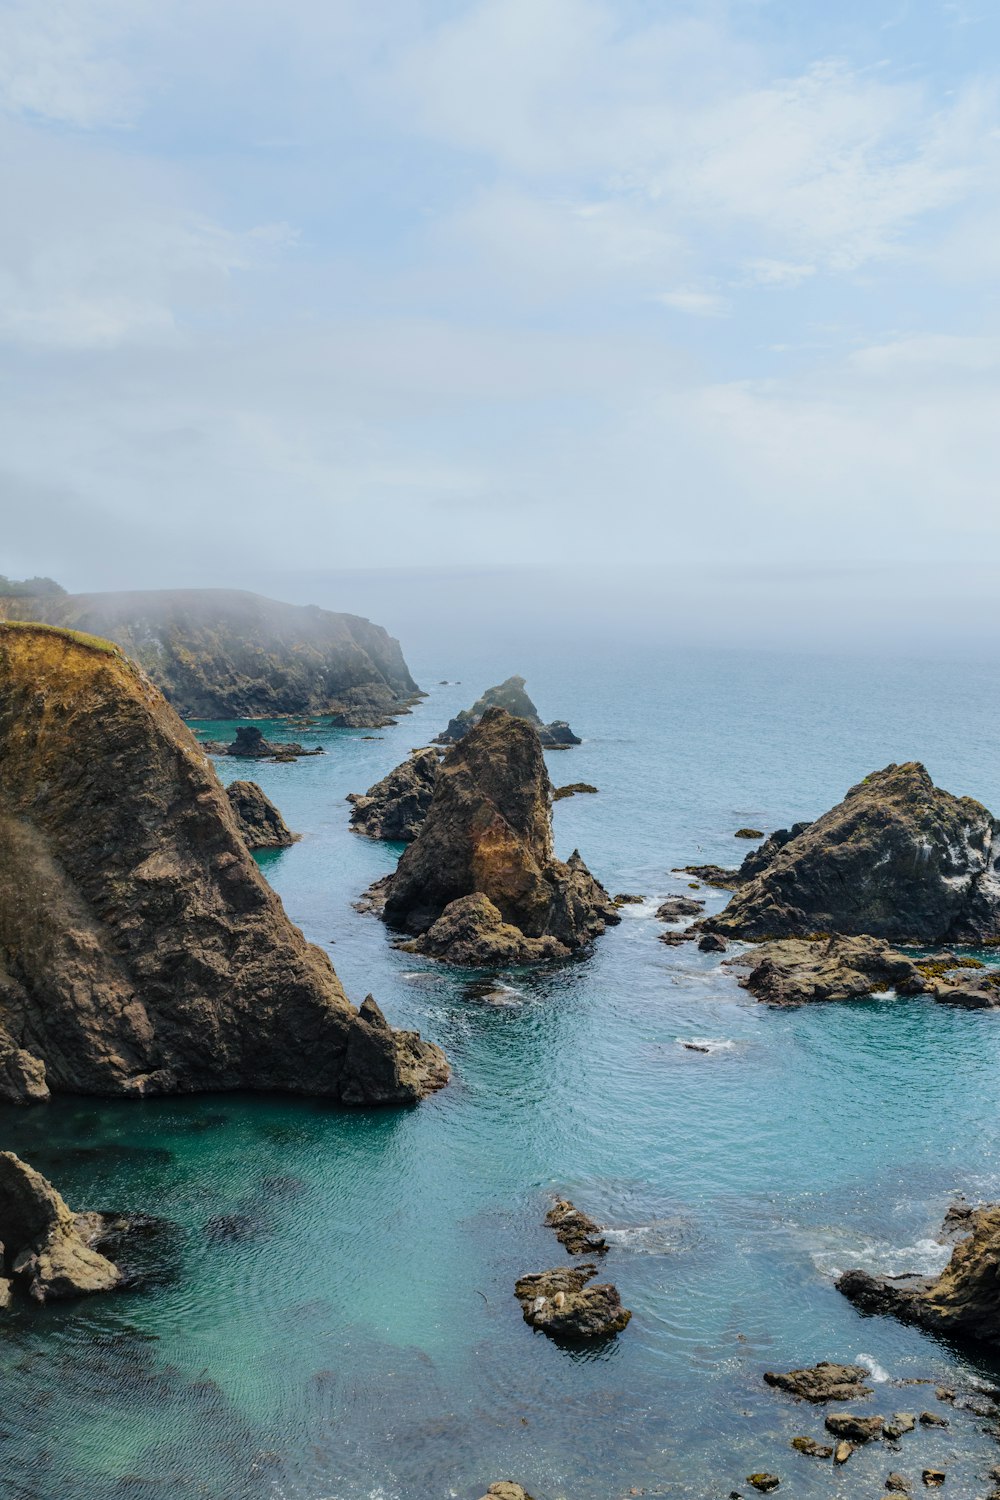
point(259, 821)
point(250, 744)
point(580, 1234)
point(676, 907)
point(933, 1478)
point(855, 1429)
point(563, 1305)
point(472, 934)
point(823, 1382)
point(489, 832)
point(47, 1248)
point(395, 807)
point(795, 971)
point(902, 1422)
point(842, 1452)
point(505, 1489)
point(716, 875)
point(226, 654)
point(141, 950)
point(509, 695)
point(933, 1419)
point(898, 1484)
point(811, 1448)
point(964, 1301)
point(897, 859)
point(573, 789)
point(627, 898)
point(711, 942)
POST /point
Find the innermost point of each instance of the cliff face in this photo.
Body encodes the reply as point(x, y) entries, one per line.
point(489, 832)
point(899, 859)
point(225, 654)
point(141, 950)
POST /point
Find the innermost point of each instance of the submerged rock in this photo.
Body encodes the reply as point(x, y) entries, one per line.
point(822, 1382)
point(489, 832)
point(509, 695)
point(580, 1234)
point(141, 950)
point(46, 1248)
point(898, 859)
point(259, 821)
point(563, 1305)
point(964, 1301)
point(395, 807)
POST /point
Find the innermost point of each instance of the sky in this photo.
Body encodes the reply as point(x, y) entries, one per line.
point(313, 296)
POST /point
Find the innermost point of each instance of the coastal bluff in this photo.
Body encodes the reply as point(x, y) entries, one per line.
point(229, 654)
point(141, 950)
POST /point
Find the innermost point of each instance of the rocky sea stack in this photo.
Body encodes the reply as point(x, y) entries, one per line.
point(488, 836)
point(141, 950)
point(395, 807)
point(227, 654)
point(259, 821)
point(511, 696)
point(898, 859)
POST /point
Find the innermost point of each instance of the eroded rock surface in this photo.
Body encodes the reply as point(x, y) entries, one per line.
point(964, 1301)
point(797, 971)
point(489, 833)
point(509, 695)
point(580, 1234)
point(898, 859)
point(823, 1382)
point(395, 807)
point(141, 950)
point(564, 1305)
point(47, 1249)
point(472, 934)
point(259, 821)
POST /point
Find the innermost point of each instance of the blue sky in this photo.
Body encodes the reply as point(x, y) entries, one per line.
point(570, 282)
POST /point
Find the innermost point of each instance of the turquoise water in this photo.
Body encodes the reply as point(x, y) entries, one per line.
point(335, 1320)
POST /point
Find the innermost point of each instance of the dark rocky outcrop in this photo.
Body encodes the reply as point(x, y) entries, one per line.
point(395, 807)
point(853, 1428)
point(48, 1250)
point(677, 907)
point(811, 1448)
point(573, 789)
point(257, 818)
point(797, 971)
point(509, 695)
point(748, 833)
point(226, 654)
point(563, 1304)
point(580, 1234)
point(963, 1302)
point(897, 859)
point(823, 1382)
point(141, 949)
point(489, 833)
point(250, 744)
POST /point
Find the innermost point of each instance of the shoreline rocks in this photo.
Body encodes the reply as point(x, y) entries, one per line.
point(259, 821)
point(509, 695)
point(963, 1302)
point(801, 971)
point(395, 807)
point(565, 1306)
point(141, 950)
point(48, 1251)
point(488, 834)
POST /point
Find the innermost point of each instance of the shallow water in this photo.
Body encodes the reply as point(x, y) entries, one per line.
point(340, 1321)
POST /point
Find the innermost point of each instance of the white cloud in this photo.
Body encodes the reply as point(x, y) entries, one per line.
point(690, 299)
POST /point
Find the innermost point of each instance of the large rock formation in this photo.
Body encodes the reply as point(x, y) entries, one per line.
point(964, 1301)
point(564, 1305)
point(797, 971)
point(257, 818)
point(511, 696)
point(46, 1248)
point(395, 807)
point(489, 833)
point(141, 950)
point(225, 654)
point(897, 859)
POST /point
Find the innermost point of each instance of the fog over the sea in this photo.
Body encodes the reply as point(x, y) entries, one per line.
point(679, 318)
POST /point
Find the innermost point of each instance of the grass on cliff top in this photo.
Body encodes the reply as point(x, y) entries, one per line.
point(77, 637)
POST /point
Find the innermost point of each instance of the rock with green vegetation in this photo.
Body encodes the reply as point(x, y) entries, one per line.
point(395, 807)
point(29, 588)
point(259, 821)
point(509, 695)
point(141, 950)
point(564, 1305)
point(226, 654)
point(898, 859)
point(963, 1302)
point(488, 833)
point(47, 1249)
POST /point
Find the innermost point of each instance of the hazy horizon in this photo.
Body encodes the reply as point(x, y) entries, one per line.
point(685, 314)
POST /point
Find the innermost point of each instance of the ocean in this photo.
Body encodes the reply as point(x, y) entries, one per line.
point(337, 1320)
